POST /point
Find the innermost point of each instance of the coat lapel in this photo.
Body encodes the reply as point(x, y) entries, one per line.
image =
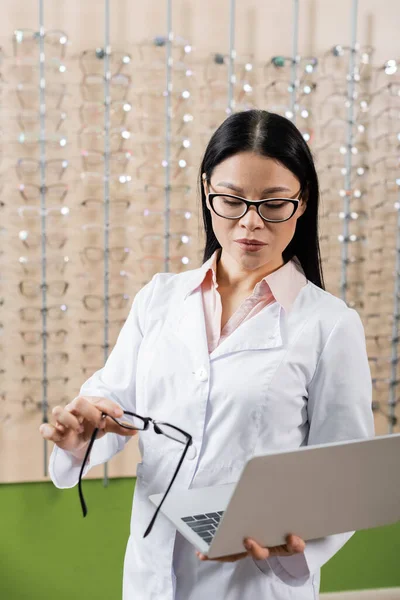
point(261, 332)
point(189, 326)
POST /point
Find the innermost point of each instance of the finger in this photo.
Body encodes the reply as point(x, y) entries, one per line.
point(230, 558)
point(59, 427)
point(91, 409)
point(295, 544)
point(66, 418)
point(258, 552)
point(279, 551)
point(50, 433)
point(104, 405)
point(233, 557)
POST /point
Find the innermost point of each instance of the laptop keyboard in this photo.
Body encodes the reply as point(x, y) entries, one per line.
point(204, 525)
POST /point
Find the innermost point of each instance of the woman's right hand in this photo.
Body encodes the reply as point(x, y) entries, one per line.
point(75, 423)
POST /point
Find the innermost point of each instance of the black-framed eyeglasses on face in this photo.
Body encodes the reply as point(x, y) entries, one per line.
point(131, 420)
point(272, 210)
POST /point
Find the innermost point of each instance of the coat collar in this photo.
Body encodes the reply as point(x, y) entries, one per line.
point(263, 331)
point(285, 283)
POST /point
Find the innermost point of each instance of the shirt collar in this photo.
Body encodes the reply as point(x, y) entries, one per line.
point(284, 284)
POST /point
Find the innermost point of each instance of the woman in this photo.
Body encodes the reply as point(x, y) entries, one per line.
point(248, 354)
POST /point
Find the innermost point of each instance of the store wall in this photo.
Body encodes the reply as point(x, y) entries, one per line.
point(48, 551)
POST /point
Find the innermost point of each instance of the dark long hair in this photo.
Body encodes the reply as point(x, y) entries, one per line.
point(271, 135)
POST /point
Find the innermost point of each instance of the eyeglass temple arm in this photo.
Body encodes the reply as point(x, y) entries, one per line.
point(150, 527)
point(89, 448)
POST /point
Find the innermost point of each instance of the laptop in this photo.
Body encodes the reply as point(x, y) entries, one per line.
point(312, 492)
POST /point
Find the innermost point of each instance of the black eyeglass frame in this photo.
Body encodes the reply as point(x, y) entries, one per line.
point(146, 424)
point(257, 204)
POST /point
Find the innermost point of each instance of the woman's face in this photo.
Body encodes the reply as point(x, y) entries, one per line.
point(253, 177)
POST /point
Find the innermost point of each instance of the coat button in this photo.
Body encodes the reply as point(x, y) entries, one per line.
point(192, 452)
point(201, 374)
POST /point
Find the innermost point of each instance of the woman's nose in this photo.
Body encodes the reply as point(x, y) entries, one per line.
point(252, 219)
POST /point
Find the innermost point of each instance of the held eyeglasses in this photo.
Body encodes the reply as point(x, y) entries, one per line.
point(131, 420)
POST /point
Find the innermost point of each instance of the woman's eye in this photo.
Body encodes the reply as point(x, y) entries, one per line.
point(275, 205)
point(232, 202)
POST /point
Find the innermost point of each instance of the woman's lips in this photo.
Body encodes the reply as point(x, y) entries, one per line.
point(249, 246)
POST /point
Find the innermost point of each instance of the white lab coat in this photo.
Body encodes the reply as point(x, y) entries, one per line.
point(280, 381)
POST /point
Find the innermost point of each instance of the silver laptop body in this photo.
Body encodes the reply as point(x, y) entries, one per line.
point(313, 491)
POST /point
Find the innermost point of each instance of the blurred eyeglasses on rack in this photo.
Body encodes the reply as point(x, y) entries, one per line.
point(152, 51)
point(179, 148)
point(378, 408)
point(152, 101)
point(120, 185)
point(305, 64)
point(119, 161)
point(154, 220)
point(153, 172)
point(385, 120)
point(28, 168)
point(336, 104)
point(387, 141)
point(118, 206)
point(31, 404)
point(32, 289)
point(337, 58)
point(94, 351)
point(33, 241)
point(151, 265)
point(28, 119)
point(380, 342)
point(95, 254)
point(29, 97)
point(216, 68)
point(33, 314)
point(337, 170)
point(87, 370)
point(94, 232)
point(278, 90)
point(56, 215)
point(179, 196)
point(92, 87)
point(149, 126)
point(92, 61)
point(95, 302)
point(154, 244)
point(29, 70)
point(33, 338)
point(385, 164)
point(92, 113)
point(35, 360)
point(92, 137)
point(39, 382)
point(54, 192)
point(31, 140)
point(91, 327)
point(389, 91)
point(120, 280)
point(33, 267)
point(336, 128)
point(26, 43)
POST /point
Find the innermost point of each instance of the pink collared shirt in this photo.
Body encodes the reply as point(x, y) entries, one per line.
point(280, 286)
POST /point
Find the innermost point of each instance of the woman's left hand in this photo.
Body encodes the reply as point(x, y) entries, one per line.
point(294, 545)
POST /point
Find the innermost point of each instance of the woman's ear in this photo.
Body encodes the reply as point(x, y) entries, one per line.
point(302, 204)
point(302, 207)
point(205, 188)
